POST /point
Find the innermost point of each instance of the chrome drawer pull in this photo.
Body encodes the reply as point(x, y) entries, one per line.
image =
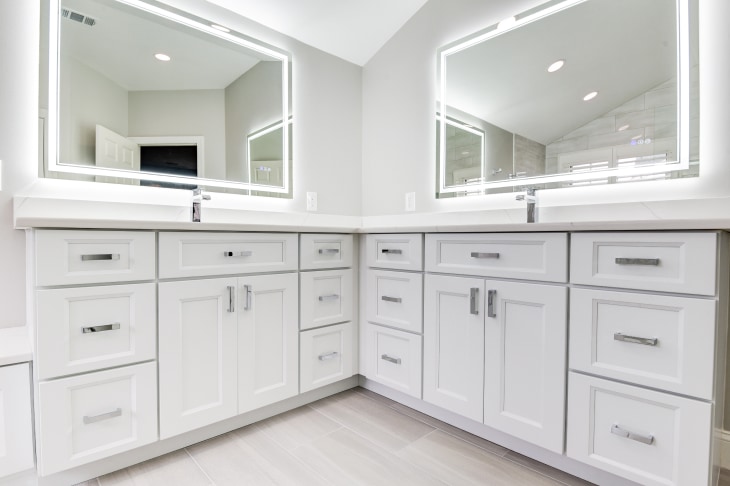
point(328, 251)
point(231, 294)
point(392, 251)
point(637, 261)
point(473, 304)
point(323, 298)
point(100, 256)
point(326, 356)
point(397, 300)
point(247, 289)
point(476, 254)
point(644, 439)
point(247, 253)
point(634, 339)
point(102, 416)
point(491, 294)
point(105, 327)
point(390, 359)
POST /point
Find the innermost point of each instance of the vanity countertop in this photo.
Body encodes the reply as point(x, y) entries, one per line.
point(14, 346)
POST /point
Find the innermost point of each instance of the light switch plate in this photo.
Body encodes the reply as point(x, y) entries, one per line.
point(311, 201)
point(410, 201)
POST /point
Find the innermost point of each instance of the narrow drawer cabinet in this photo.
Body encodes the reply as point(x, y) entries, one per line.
point(326, 298)
point(16, 429)
point(326, 356)
point(395, 251)
point(395, 299)
point(394, 358)
point(323, 251)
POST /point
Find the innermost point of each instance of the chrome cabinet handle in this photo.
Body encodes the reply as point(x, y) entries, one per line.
point(105, 327)
point(637, 261)
point(473, 304)
point(247, 253)
point(491, 294)
point(328, 251)
point(247, 289)
point(392, 251)
point(323, 298)
point(635, 339)
point(327, 356)
point(99, 256)
point(397, 300)
point(90, 419)
point(644, 439)
point(476, 254)
point(390, 359)
point(231, 298)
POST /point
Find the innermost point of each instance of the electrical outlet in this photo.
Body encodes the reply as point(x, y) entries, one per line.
point(311, 201)
point(410, 201)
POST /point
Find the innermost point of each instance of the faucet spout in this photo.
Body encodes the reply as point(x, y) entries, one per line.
point(197, 209)
point(530, 197)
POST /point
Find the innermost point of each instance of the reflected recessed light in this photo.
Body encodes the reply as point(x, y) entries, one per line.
point(622, 128)
point(162, 57)
point(556, 65)
point(220, 27)
point(590, 96)
point(507, 23)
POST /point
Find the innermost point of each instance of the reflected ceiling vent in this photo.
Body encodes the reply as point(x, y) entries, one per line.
point(77, 17)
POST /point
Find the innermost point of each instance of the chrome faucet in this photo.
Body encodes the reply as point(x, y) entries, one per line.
point(530, 197)
point(198, 198)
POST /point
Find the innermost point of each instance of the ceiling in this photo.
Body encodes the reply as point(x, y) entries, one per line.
point(353, 30)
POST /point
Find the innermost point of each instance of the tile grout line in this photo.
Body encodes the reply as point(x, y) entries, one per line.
point(200, 467)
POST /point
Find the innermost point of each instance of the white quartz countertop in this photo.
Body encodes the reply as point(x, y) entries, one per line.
point(14, 346)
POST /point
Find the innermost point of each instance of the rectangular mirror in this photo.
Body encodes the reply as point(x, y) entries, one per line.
point(141, 93)
point(570, 93)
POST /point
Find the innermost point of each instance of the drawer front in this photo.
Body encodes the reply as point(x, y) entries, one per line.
point(532, 256)
point(326, 298)
point(394, 359)
point(649, 437)
point(89, 328)
point(395, 299)
point(200, 254)
point(71, 257)
point(399, 252)
point(667, 262)
point(89, 417)
point(326, 356)
point(654, 340)
point(321, 251)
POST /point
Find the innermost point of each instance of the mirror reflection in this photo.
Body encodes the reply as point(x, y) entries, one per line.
point(163, 95)
point(578, 93)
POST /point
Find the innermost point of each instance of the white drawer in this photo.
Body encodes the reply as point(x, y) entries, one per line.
point(88, 417)
point(89, 328)
point(667, 262)
point(649, 437)
point(326, 356)
point(399, 252)
point(395, 299)
point(325, 298)
point(532, 256)
point(200, 254)
point(318, 251)
point(394, 359)
point(16, 429)
point(653, 340)
point(71, 257)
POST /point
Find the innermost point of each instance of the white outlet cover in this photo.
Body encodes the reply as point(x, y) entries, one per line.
point(410, 201)
point(311, 201)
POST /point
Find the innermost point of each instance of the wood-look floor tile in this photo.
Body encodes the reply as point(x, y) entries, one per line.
point(457, 462)
point(346, 458)
point(373, 420)
point(175, 468)
point(248, 456)
point(546, 470)
point(297, 427)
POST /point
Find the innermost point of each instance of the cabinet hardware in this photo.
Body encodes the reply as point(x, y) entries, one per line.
point(247, 291)
point(473, 304)
point(397, 300)
point(323, 298)
point(635, 339)
point(392, 251)
point(99, 256)
point(476, 254)
point(390, 359)
point(637, 261)
point(491, 294)
point(105, 327)
point(231, 297)
point(328, 251)
point(326, 356)
point(247, 253)
point(644, 439)
point(90, 419)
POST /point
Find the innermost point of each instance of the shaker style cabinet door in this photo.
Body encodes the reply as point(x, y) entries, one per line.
point(197, 353)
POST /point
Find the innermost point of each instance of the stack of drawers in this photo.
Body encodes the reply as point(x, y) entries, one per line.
point(646, 354)
point(95, 344)
point(325, 309)
point(394, 311)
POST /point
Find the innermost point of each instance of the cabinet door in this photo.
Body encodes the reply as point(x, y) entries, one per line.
point(16, 433)
point(525, 360)
point(197, 353)
point(453, 341)
point(268, 340)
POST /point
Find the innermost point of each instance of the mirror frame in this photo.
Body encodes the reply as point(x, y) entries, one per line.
point(541, 11)
point(54, 54)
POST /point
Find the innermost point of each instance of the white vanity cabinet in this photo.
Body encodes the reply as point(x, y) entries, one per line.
point(16, 430)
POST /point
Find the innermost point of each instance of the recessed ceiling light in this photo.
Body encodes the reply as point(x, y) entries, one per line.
point(220, 27)
point(162, 57)
point(556, 65)
point(590, 96)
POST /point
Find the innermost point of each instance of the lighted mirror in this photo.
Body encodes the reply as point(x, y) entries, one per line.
point(568, 94)
point(141, 93)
